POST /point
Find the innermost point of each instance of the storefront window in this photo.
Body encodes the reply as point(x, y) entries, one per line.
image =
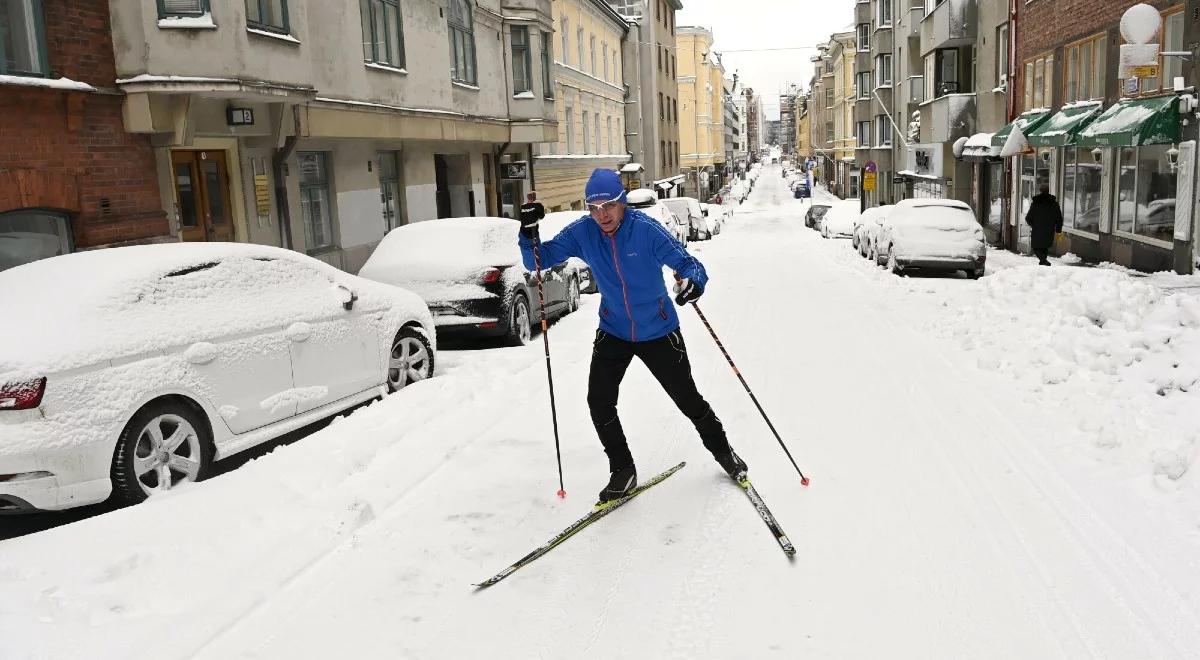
point(1067, 191)
point(1088, 191)
point(995, 217)
point(30, 235)
point(1155, 194)
point(1127, 190)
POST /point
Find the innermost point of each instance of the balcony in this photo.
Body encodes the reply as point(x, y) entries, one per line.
point(914, 90)
point(947, 118)
point(910, 27)
point(862, 12)
point(882, 41)
point(952, 24)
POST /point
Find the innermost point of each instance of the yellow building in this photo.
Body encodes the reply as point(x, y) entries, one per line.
point(589, 100)
point(803, 128)
point(843, 52)
point(701, 110)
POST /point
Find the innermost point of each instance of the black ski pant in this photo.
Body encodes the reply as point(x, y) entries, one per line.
point(667, 359)
point(1041, 254)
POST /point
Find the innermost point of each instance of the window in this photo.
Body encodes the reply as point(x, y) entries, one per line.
point(1081, 80)
point(597, 134)
point(662, 152)
point(1039, 76)
point(587, 134)
point(1080, 191)
point(181, 8)
point(1171, 39)
point(592, 46)
point(22, 39)
point(462, 42)
point(521, 62)
point(612, 147)
point(566, 45)
point(1002, 55)
point(617, 76)
point(604, 52)
point(828, 132)
point(36, 234)
point(570, 114)
point(883, 130)
point(267, 15)
point(389, 188)
point(883, 70)
point(1146, 193)
point(383, 32)
point(672, 66)
point(661, 115)
point(829, 98)
point(862, 84)
point(579, 48)
point(864, 37)
point(864, 133)
point(547, 78)
point(314, 200)
point(883, 12)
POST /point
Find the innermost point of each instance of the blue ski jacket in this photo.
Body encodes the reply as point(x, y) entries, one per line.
point(627, 267)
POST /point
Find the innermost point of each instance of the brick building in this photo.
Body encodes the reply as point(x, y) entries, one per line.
point(70, 175)
point(1115, 150)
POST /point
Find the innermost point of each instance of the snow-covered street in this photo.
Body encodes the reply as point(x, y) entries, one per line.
point(991, 478)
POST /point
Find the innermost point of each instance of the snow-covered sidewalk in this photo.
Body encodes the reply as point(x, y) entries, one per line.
point(994, 474)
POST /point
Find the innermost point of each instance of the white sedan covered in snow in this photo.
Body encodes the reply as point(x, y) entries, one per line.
point(127, 371)
point(932, 235)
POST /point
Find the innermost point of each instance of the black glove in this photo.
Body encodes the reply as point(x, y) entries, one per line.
point(531, 214)
point(687, 290)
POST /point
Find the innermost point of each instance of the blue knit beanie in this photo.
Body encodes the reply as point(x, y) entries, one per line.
point(604, 186)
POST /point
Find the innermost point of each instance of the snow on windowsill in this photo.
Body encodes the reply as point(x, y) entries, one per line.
point(201, 22)
point(524, 95)
point(473, 88)
point(65, 84)
point(384, 67)
point(274, 35)
point(149, 78)
point(578, 156)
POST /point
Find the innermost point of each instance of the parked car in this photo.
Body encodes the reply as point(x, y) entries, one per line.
point(645, 201)
point(800, 190)
point(469, 271)
point(934, 235)
point(836, 225)
point(126, 372)
point(738, 191)
point(717, 215)
point(556, 222)
point(814, 214)
point(866, 227)
point(689, 208)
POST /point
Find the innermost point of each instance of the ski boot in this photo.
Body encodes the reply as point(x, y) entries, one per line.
point(733, 465)
point(620, 483)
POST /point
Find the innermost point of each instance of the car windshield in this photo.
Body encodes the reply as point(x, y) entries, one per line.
point(819, 211)
point(679, 206)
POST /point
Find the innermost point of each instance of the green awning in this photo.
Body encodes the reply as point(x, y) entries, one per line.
point(1062, 129)
point(1132, 122)
point(1027, 121)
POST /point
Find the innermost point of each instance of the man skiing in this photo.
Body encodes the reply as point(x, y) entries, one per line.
point(626, 251)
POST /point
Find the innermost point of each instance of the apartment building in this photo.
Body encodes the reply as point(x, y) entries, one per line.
point(702, 111)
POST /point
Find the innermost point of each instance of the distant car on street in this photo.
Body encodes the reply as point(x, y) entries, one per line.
point(932, 235)
point(469, 271)
point(814, 214)
point(647, 202)
point(689, 207)
point(126, 372)
point(718, 215)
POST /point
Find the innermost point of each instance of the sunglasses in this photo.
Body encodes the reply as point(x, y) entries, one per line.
point(612, 203)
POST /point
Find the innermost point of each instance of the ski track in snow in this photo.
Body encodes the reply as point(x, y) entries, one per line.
point(945, 519)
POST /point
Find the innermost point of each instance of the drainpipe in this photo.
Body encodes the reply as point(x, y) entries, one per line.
point(281, 196)
point(532, 177)
point(499, 182)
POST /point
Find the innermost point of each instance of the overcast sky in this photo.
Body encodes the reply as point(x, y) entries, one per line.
point(760, 24)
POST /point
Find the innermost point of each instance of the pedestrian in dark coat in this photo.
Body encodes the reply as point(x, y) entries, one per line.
point(1045, 219)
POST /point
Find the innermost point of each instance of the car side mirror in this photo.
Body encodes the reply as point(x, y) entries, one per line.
point(349, 297)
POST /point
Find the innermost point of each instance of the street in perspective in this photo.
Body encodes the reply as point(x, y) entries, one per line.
point(599, 329)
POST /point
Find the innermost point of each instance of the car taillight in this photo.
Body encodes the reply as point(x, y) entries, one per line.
point(489, 276)
point(22, 395)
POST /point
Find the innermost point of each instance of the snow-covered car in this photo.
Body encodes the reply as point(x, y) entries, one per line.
point(470, 273)
point(557, 221)
point(812, 217)
point(689, 208)
point(866, 227)
point(126, 372)
point(837, 225)
point(718, 215)
point(647, 202)
point(932, 234)
point(738, 191)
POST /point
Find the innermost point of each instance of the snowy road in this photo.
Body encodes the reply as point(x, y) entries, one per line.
point(948, 516)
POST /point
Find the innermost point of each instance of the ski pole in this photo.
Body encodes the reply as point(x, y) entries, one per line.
point(537, 263)
point(738, 373)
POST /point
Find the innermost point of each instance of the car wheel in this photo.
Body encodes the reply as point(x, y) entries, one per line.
point(572, 295)
point(410, 360)
point(164, 445)
point(520, 330)
point(974, 274)
point(893, 265)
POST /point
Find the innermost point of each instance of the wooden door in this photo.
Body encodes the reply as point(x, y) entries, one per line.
point(202, 195)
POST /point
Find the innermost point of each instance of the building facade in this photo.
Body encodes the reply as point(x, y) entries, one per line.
point(589, 101)
point(756, 124)
point(71, 178)
point(702, 112)
point(268, 129)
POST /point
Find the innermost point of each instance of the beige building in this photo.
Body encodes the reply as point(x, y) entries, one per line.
point(319, 126)
point(589, 101)
point(701, 110)
point(832, 129)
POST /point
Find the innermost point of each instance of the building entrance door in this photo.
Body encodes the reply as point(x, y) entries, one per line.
point(202, 195)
